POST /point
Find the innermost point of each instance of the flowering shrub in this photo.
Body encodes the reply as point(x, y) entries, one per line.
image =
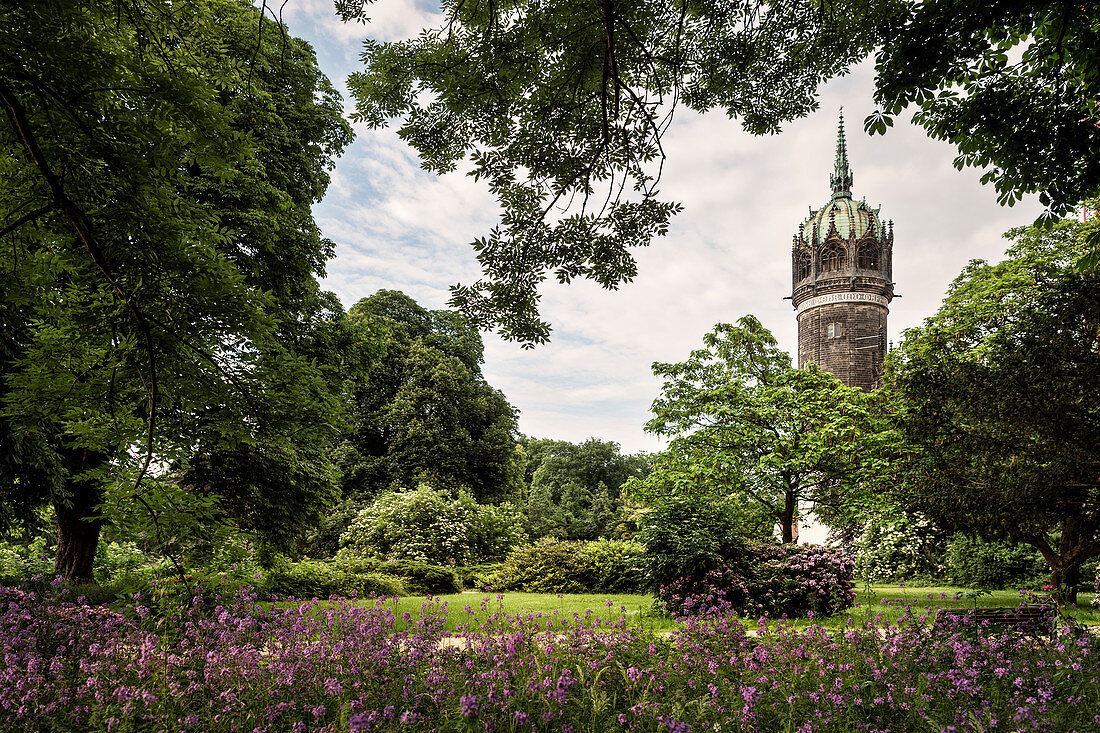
point(432, 526)
point(24, 561)
point(560, 566)
point(905, 547)
point(781, 580)
point(232, 664)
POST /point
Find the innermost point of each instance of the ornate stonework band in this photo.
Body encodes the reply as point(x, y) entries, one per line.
point(842, 298)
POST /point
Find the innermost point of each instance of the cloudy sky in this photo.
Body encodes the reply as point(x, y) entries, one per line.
point(727, 254)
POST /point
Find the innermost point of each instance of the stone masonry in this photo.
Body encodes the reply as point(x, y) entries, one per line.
point(842, 283)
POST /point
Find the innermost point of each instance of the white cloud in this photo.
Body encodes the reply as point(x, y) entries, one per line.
point(727, 254)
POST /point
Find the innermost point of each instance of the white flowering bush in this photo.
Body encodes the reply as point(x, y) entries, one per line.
point(25, 561)
point(426, 525)
point(900, 548)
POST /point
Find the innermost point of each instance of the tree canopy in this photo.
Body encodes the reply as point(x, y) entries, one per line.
point(424, 412)
point(997, 397)
point(574, 489)
point(744, 423)
point(160, 256)
point(561, 106)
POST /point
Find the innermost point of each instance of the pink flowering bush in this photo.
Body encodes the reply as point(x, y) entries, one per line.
point(234, 664)
point(780, 580)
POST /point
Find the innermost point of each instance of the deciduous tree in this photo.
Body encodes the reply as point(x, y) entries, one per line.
point(159, 292)
point(998, 397)
point(424, 412)
point(745, 424)
point(561, 106)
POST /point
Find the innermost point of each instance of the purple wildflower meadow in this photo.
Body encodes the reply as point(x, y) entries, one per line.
point(236, 664)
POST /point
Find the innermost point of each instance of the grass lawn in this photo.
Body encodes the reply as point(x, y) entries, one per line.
point(473, 609)
point(890, 599)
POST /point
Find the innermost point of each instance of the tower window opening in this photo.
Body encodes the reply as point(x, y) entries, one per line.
point(832, 257)
point(834, 331)
point(802, 265)
point(867, 257)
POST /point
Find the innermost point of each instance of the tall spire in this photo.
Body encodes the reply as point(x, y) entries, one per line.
point(841, 179)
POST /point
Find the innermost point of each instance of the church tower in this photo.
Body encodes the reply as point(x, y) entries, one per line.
point(843, 282)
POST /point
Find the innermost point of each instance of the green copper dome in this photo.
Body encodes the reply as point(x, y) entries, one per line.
point(851, 219)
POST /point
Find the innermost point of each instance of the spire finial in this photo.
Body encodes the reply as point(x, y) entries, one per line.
point(841, 179)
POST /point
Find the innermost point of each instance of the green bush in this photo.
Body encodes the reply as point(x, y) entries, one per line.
point(318, 579)
point(561, 566)
point(896, 548)
point(18, 560)
point(424, 579)
point(115, 560)
point(432, 526)
point(684, 538)
point(323, 541)
point(478, 577)
point(976, 563)
point(613, 566)
point(547, 566)
point(418, 578)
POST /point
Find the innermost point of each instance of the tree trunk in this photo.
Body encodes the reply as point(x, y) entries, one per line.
point(786, 518)
point(1065, 563)
point(77, 533)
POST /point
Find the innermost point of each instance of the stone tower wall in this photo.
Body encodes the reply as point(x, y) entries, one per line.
point(853, 351)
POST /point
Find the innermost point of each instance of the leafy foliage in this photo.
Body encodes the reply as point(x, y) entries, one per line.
point(976, 563)
point(997, 398)
point(560, 106)
point(423, 412)
point(574, 490)
point(559, 566)
point(743, 423)
point(159, 270)
point(1014, 85)
point(432, 526)
point(687, 537)
point(317, 579)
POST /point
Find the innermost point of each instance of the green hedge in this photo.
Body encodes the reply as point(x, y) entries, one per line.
point(318, 579)
point(419, 578)
point(976, 563)
point(478, 577)
point(558, 566)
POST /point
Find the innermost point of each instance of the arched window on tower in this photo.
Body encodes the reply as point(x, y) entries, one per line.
point(868, 256)
point(802, 265)
point(833, 255)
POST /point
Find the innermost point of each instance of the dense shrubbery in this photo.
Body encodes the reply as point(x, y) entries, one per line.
point(24, 561)
point(319, 579)
point(559, 566)
point(478, 577)
point(896, 548)
point(341, 667)
point(420, 578)
point(977, 563)
point(432, 526)
point(685, 538)
point(790, 580)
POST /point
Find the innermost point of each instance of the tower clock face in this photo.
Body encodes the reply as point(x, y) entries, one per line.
point(842, 270)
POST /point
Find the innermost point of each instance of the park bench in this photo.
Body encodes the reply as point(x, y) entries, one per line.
point(1028, 619)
